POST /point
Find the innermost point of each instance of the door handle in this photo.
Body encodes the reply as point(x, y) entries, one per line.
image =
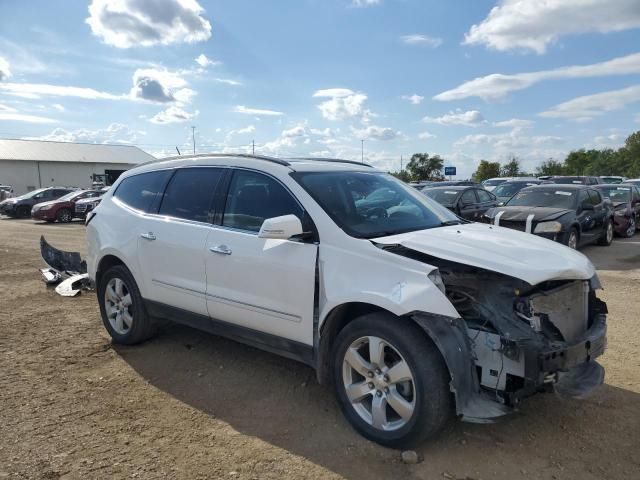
point(221, 249)
point(148, 236)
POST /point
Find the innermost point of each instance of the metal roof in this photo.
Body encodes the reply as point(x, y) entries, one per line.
point(47, 151)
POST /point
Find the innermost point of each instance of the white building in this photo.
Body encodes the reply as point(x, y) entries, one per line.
point(30, 164)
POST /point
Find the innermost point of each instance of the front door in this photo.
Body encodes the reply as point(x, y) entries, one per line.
point(172, 242)
point(265, 285)
point(587, 218)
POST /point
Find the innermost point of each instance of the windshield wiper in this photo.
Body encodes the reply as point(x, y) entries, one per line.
point(450, 222)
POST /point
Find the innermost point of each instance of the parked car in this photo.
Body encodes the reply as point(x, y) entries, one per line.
point(576, 180)
point(508, 189)
point(85, 205)
point(612, 179)
point(411, 315)
point(6, 191)
point(420, 185)
point(625, 198)
point(21, 206)
point(450, 183)
point(574, 215)
point(634, 181)
point(492, 183)
point(469, 203)
point(62, 209)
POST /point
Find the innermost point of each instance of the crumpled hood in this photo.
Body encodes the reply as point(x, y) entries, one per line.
point(517, 254)
point(520, 214)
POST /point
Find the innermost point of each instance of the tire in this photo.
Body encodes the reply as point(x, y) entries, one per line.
point(427, 402)
point(132, 324)
point(64, 215)
point(607, 236)
point(23, 211)
point(573, 240)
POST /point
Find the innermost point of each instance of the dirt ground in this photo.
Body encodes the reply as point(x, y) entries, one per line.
point(191, 405)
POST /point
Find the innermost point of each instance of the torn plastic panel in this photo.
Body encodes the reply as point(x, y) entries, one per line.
point(520, 338)
point(65, 268)
point(60, 260)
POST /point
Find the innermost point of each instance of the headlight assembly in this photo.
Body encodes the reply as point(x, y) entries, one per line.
point(548, 227)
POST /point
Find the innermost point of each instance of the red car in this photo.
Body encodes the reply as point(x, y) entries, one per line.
point(62, 209)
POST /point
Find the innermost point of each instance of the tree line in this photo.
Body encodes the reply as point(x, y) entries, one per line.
point(624, 162)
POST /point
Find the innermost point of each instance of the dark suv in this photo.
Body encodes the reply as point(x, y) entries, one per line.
point(21, 206)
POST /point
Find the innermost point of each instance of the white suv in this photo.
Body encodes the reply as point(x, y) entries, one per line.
point(410, 312)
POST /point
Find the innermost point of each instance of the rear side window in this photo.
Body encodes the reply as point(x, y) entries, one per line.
point(254, 197)
point(139, 191)
point(189, 193)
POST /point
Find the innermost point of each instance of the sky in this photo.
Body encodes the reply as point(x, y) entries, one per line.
point(467, 80)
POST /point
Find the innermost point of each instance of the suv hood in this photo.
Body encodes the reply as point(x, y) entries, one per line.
point(517, 254)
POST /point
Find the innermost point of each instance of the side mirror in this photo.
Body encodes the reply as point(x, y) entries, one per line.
point(281, 228)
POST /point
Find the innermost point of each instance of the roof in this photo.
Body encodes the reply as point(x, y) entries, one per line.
point(47, 151)
point(451, 187)
point(561, 186)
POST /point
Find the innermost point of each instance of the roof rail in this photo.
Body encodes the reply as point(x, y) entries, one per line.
point(279, 161)
point(336, 160)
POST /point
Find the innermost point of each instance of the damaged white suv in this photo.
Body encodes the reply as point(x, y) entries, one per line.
point(411, 313)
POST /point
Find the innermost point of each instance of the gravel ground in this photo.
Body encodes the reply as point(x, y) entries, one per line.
point(191, 405)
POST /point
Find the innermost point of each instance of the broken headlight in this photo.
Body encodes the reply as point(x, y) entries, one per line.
point(436, 278)
point(548, 227)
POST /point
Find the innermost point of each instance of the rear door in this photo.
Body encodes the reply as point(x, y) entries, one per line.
point(265, 285)
point(173, 237)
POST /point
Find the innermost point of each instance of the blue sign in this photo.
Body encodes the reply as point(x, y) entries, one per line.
point(449, 170)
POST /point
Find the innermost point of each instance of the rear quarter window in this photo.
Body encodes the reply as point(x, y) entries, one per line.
point(140, 191)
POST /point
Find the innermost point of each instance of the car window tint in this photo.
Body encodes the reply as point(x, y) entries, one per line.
point(139, 191)
point(189, 193)
point(484, 196)
point(254, 197)
point(583, 198)
point(594, 197)
point(468, 198)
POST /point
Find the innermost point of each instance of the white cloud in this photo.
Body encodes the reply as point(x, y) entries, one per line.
point(36, 90)
point(326, 132)
point(114, 133)
point(58, 107)
point(228, 81)
point(255, 111)
point(25, 118)
point(244, 131)
point(613, 140)
point(534, 24)
point(592, 105)
point(159, 86)
point(205, 62)
point(5, 71)
point(173, 114)
point(425, 135)
point(373, 132)
point(365, 3)
point(514, 123)
point(421, 40)
point(497, 85)
point(297, 131)
point(470, 118)
point(343, 104)
point(133, 23)
point(414, 99)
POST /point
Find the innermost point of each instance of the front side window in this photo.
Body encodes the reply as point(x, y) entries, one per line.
point(485, 196)
point(139, 191)
point(347, 197)
point(468, 198)
point(595, 197)
point(189, 193)
point(254, 197)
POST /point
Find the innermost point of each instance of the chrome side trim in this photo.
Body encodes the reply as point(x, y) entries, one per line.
point(265, 310)
point(165, 284)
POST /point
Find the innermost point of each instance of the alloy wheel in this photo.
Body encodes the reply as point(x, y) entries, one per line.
point(609, 232)
point(379, 383)
point(573, 241)
point(118, 306)
point(631, 229)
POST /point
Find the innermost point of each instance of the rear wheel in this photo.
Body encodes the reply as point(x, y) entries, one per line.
point(122, 307)
point(607, 236)
point(390, 380)
point(64, 215)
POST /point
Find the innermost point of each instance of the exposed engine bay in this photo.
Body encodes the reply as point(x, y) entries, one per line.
point(525, 338)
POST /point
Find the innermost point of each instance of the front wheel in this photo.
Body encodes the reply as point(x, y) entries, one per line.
point(631, 228)
point(572, 241)
point(23, 212)
point(122, 307)
point(391, 381)
point(607, 236)
point(64, 215)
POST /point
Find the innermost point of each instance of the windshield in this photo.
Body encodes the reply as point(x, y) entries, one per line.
point(369, 205)
point(32, 194)
point(444, 197)
point(611, 179)
point(508, 189)
point(547, 197)
point(617, 193)
point(493, 183)
point(69, 196)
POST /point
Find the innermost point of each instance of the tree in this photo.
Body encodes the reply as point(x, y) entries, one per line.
point(486, 170)
point(550, 167)
point(423, 167)
point(401, 175)
point(511, 168)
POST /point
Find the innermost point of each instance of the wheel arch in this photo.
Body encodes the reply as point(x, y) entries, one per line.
point(105, 263)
